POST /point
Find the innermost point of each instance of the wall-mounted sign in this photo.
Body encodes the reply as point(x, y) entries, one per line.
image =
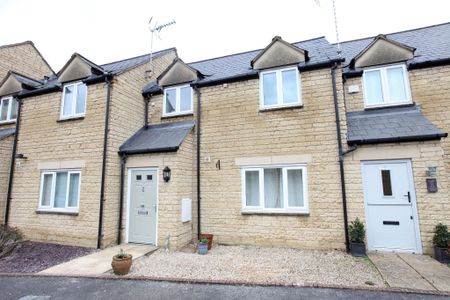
point(432, 185)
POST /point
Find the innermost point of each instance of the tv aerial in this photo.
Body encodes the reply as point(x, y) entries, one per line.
point(155, 29)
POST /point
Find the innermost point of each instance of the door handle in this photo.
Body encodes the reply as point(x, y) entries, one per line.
point(154, 206)
point(409, 196)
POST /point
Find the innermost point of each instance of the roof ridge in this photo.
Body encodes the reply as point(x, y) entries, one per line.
point(17, 44)
point(138, 56)
point(248, 51)
point(396, 32)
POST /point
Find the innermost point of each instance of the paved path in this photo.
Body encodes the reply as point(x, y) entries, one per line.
point(40, 288)
point(98, 262)
point(412, 271)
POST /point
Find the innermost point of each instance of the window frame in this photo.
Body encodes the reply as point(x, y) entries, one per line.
point(74, 104)
point(177, 111)
point(51, 208)
point(279, 88)
point(8, 114)
point(384, 86)
point(286, 208)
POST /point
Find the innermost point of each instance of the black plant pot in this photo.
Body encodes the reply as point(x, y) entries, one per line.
point(358, 249)
point(442, 255)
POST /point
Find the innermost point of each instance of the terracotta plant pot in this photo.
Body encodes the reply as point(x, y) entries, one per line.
point(121, 266)
point(357, 249)
point(209, 237)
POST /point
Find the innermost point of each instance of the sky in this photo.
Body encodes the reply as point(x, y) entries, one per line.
point(106, 31)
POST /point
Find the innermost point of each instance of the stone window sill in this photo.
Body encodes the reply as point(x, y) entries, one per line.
point(177, 116)
point(70, 119)
point(260, 213)
point(280, 108)
point(56, 212)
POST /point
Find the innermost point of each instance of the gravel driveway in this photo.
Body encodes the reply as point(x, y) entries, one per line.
point(261, 265)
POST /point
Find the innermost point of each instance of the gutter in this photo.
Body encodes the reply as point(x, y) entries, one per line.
point(54, 88)
point(341, 156)
point(429, 63)
point(413, 138)
point(198, 161)
point(13, 163)
point(105, 149)
point(123, 161)
point(156, 150)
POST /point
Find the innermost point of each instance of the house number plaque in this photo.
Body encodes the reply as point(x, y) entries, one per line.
point(142, 212)
point(432, 185)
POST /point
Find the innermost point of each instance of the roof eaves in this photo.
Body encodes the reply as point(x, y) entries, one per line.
point(399, 139)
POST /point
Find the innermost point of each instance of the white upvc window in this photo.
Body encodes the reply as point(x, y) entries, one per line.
point(177, 100)
point(275, 189)
point(386, 86)
point(8, 109)
point(279, 88)
point(60, 190)
point(73, 103)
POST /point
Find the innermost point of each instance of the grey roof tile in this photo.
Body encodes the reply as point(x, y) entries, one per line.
point(157, 138)
point(4, 133)
point(390, 125)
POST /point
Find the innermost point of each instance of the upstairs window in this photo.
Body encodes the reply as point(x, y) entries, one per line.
point(279, 88)
point(8, 109)
point(177, 100)
point(386, 86)
point(74, 100)
point(60, 190)
point(274, 189)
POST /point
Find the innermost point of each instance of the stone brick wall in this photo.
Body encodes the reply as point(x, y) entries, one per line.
point(24, 59)
point(5, 155)
point(47, 144)
point(233, 127)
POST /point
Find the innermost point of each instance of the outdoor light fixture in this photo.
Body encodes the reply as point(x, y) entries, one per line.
point(20, 156)
point(166, 174)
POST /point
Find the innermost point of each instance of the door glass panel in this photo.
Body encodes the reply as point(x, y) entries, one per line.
point(171, 100)
point(289, 86)
point(270, 88)
point(138, 177)
point(273, 188)
point(46, 190)
point(252, 188)
point(4, 112)
point(60, 190)
point(386, 181)
point(295, 188)
point(373, 87)
point(149, 177)
point(73, 189)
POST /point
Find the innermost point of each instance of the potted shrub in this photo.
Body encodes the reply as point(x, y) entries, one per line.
point(357, 233)
point(209, 237)
point(441, 242)
point(202, 247)
point(121, 263)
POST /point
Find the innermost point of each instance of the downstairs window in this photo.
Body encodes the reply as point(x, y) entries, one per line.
point(60, 191)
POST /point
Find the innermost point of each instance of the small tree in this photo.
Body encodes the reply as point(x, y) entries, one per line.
point(10, 238)
point(356, 231)
point(441, 236)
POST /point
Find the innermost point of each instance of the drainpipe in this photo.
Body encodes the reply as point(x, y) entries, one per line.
point(123, 161)
point(147, 100)
point(13, 162)
point(341, 155)
point(197, 90)
point(105, 149)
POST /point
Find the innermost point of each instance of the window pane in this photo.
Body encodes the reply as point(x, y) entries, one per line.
point(73, 189)
point(270, 88)
point(295, 188)
point(60, 190)
point(4, 112)
point(185, 99)
point(252, 188)
point(68, 100)
point(81, 98)
point(273, 188)
point(373, 87)
point(396, 84)
point(386, 181)
point(13, 109)
point(290, 86)
point(171, 98)
point(46, 190)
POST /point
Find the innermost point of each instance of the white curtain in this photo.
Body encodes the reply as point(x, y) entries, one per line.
point(273, 188)
point(60, 190)
point(252, 188)
point(396, 83)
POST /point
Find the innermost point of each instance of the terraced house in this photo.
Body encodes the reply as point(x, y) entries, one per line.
point(278, 146)
point(20, 66)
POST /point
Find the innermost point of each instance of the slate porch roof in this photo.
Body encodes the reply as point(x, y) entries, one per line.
point(4, 133)
point(165, 137)
point(400, 124)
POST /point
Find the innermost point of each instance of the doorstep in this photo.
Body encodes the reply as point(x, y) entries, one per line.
point(99, 262)
point(412, 271)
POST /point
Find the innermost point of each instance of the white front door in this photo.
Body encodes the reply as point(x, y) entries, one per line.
point(142, 208)
point(391, 213)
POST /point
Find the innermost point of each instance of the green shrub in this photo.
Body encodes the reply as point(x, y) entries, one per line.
point(203, 241)
point(441, 236)
point(356, 231)
point(10, 238)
